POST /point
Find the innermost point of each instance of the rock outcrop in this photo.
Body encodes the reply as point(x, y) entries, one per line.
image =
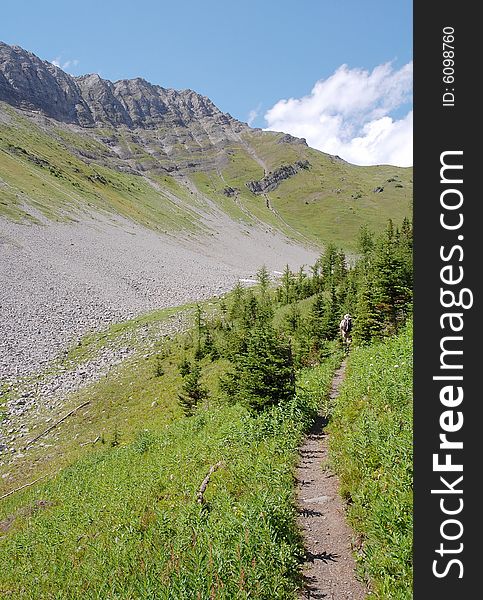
point(143, 127)
point(29, 83)
point(272, 180)
point(290, 139)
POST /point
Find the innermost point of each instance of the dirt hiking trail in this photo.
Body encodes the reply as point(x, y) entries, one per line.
point(329, 571)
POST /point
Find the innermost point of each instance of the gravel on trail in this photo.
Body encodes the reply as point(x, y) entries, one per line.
point(330, 568)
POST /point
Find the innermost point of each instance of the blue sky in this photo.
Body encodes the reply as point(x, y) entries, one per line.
point(246, 56)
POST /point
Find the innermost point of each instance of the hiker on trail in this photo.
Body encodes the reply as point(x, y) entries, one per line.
point(345, 327)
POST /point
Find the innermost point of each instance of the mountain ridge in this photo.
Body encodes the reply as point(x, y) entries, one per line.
point(169, 159)
point(30, 83)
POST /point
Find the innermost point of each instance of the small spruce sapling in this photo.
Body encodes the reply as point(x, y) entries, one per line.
point(192, 391)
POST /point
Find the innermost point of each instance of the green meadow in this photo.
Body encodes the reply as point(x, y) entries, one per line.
point(175, 479)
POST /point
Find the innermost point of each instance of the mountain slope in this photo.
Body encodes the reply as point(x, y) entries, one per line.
point(172, 161)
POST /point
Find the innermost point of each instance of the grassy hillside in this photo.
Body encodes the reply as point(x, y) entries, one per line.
point(120, 519)
point(371, 448)
point(331, 199)
point(112, 511)
point(63, 171)
point(38, 170)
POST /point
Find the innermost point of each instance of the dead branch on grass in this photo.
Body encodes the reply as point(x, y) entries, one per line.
point(91, 441)
point(74, 410)
point(204, 484)
point(22, 487)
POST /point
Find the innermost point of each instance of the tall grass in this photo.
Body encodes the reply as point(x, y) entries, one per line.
point(371, 448)
point(124, 522)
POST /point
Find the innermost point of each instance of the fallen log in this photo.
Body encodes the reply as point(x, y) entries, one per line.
point(91, 441)
point(22, 487)
point(74, 410)
point(204, 484)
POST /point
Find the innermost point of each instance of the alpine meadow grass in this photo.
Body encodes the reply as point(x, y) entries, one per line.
point(371, 449)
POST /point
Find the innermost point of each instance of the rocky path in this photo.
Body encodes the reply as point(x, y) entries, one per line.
point(330, 568)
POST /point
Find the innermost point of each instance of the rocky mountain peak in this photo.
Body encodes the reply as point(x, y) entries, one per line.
point(143, 126)
point(30, 83)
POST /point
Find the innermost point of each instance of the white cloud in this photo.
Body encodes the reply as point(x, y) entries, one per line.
point(349, 114)
point(64, 65)
point(253, 114)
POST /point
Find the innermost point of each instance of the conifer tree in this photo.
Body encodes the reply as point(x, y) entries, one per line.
point(317, 319)
point(340, 268)
point(365, 242)
point(184, 367)
point(315, 281)
point(347, 297)
point(287, 285)
point(292, 318)
point(407, 233)
point(209, 346)
point(331, 317)
point(192, 391)
point(199, 326)
point(236, 309)
point(264, 374)
point(300, 284)
point(392, 275)
point(199, 320)
point(327, 264)
point(263, 278)
point(251, 310)
point(368, 322)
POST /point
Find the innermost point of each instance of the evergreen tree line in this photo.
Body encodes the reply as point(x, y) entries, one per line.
point(267, 332)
